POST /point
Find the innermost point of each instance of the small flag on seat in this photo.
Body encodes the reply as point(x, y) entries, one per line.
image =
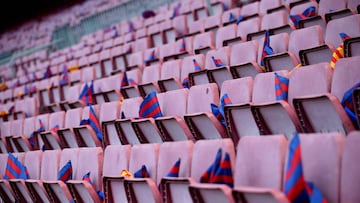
point(224, 174)
point(65, 172)
point(86, 94)
point(217, 62)
point(55, 129)
point(151, 57)
point(267, 50)
point(314, 193)
point(339, 52)
point(219, 111)
point(142, 173)
point(31, 137)
point(150, 107)
point(309, 12)
point(231, 17)
point(348, 103)
point(207, 176)
point(47, 73)
point(15, 169)
point(182, 45)
point(240, 19)
point(281, 87)
point(176, 11)
point(64, 76)
point(197, 67)
point(174, 171)
point(295, 185)
point(125, 81)
point(87, 178)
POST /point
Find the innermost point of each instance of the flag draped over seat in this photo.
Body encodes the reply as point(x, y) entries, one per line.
point(15, 169)
point(348, 103)
point(219, 111)
point(182, 45)
point(142, 173)
point(208, 175)
point(224, 174)
point(64, 76)
point(87, 178)
point(281, 87)
point(31, 137)
point(186, 81)
point(309, 12)
point(150, 107)
point(86, 94)
point(125, 81)
point(266, 51)
point(94, 123)
point(339, 52)
point(65, 173)
point(217, 62)
point(151, 57)
point(174, 171)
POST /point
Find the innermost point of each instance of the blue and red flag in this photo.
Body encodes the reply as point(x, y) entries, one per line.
point(142, 173)
point(174, 171)
point(186, 83)
point(348, 103)
point(309, 12)
point(64, 76)
point(11, 109)
point(314, 194)
point(65, 172)
point(47, 73)
point(224, 174)
point(151, 57)
point(295, 185)
point(15, 169)
point(207, 176)
point(87, 178)
point(34, 77)
point(176, 11)
point(219, 111)
point(150, 107)
point(217, 62)
point(131, 26)
point(182, 46)
point(281, 87)
point(125, 81)
point(196, 66)
point(86, 94)
point(267, 50)
point(55, 129)
point(31, 137)
point(93, 121)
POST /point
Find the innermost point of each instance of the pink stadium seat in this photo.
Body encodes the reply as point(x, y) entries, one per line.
point(135, 60)
point(109, 112)
point(226, 16)
point(132, 90)
point(143, 189)
point(180, 27)
point(265, 6)
point(66, 134)
point(152, 56)
point(150, 76)
point(250, 9)
point(141, 44)
point(156, 35)
point(336, 120)
point(56, 189)
point(118, 58)
point(200, 9)
point(110, 89)
point(94, 62)
point(125, 132)
point(203, 42)
point(188, 65)
point(116, 159)
point(248, 26)
point(50, 138)
point(199, 117)
point(212, 23)
point(196, 27)
point(214, 72)
point(180, 50)
point(224, 34)
point(170, 75)
point(167, 51)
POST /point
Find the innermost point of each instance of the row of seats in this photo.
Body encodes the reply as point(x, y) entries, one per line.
point(255, 110)
point(257, 165)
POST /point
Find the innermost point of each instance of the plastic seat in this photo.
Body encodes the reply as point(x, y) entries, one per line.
point(66, 134)
point(21, 141)
point(187, 65)
point(184, 47)
point(156, 35)
point(118, 58)
point(86, 135)
point(246, 27)
point(251, 9)
point(179, 28)
point(167, 51)
point(225, 33)
point(50, 138)
point(336, 119)
point(276, 22)
point(105, 61)
point(94, 62)
point(90, 160)
point(199, 118)
point(48, 171)
point(196, 27)
point(349, 169)
point(132, 91)
point(244, 65)
point(56, 189)
point(203, 155)
point(125, 132)
point(200, 9)
point(334, 10)
point(143, 189)
point(141, 44)
point(203, 42)
point(88, 74)
point(226, 20)
point(116, 159)
point(32, 162)
point(170, 75)
point(267, 6)
point(212, 23)
point(109, 112)
point(172, 126)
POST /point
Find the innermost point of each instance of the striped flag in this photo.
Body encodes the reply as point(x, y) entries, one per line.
point(64, 76)
point(309, 12)
point(217, 62)
point(224, 174)
point(267, 50)
point(55, 129)
point(47, 73)
point(151, 57)
point(142, 173)
point(295, 185)
point(15, 169)
point(219, 111)
point(150, 107)
point(339, 52)
point(196, 66)
point(315, 194)
point(86, 94)
point(348, 103)
point(207, 176)
point(182, 46)
point(281, 87)
point(174, 171)
point(65, 172)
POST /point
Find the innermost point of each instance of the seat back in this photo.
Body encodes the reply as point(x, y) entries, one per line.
point(130, 107)
point(225, 33)
point(116, 158)
point(109, 111)
point(188, 65)
point(201, 96)
point(171, 69)
point(175, 103)
point(349, 25)
point(244, 53)
point(33, 163)
point(239, 90)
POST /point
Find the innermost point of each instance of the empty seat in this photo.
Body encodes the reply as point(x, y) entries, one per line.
point(336, 120)
point(199, 118)
point(224, 34)
point(203, 42)
point(188, 66)
point(109, 112)
point(170, 75)
point(247, 26)
point(212, 23)
point(51, 138)
point(150, 76)
point(66, 134)
point(106, 65)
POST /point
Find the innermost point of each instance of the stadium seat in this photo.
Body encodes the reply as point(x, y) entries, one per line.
point(225, 33)
point(51, 138)
point(226, 20)
point(204, 42)
point(212, 23)
point(132, 90)
point(66, 134)
point(170, 75)
point(246, 27)
point(188, 66)
point(109, 112)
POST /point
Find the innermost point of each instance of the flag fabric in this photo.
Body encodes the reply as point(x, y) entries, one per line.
point(295, 185)
point(129, 49)
point(281, 87)
point(186, 83)
point(11, 109)
point(219, 111)
point(15, 169)
point(231, 17)
point(182, 45)
point(348, 103)
point(314, 194)
point(339, 52)
point(34, 77)
point(142, 172)
point(176, 11)
point(31, 137)
point(87, 178)
point(150, 107)
point(217, 62)
point(55, 129)
point(207, 176)
point(240, 19)
point(47, 73)
point(309, 12)
point(267, 50)
point(151, 57)
point(93, 121)
point(64, 76)
point(224, 174)
point(65, 173)
point(86, 94)
point(125, 81)
point(196, 66)
point(174, 171)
